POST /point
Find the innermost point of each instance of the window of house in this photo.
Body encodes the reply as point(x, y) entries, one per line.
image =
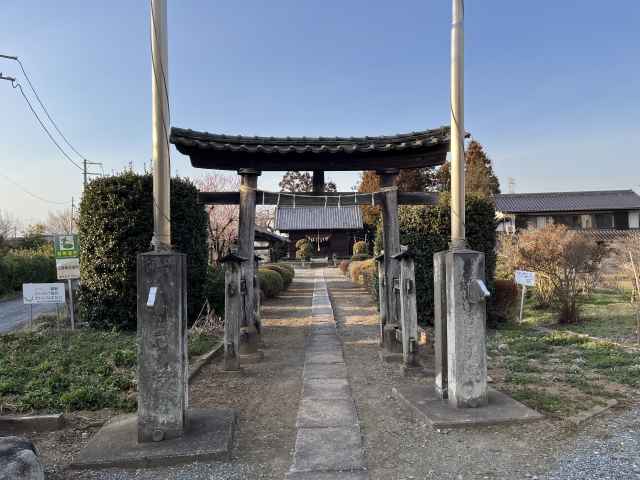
point(621, 220)
point(603, 220)
point(570, 221)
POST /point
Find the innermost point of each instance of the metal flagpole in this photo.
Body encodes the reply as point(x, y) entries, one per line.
point(457, 126)
point(160, 126)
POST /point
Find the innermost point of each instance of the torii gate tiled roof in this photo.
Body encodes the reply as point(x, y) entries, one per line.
point(228, 152)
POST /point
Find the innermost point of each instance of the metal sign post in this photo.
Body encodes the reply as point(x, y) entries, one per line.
point(67, 250)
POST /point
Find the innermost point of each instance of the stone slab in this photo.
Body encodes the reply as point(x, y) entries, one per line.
point(325, 388)
point(208, 436)
point(328, 449)
point(501, 408)
point(390, 357)
point(16, 424)
point(329, 347)
point(253, 357)
point(335, 412)
point(324, 357)
point(323, 329)
point(324, 370)
point(343, 475)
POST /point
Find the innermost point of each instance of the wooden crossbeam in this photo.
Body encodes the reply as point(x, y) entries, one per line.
point(309, 199)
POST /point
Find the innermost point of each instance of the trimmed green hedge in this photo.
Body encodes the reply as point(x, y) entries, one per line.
point(427, 230)
point(271, 282)
point(18, 269)
point(116, 224)
point(214, 289)
point(285, 273)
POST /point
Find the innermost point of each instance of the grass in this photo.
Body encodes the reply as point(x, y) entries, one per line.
point(51, 371)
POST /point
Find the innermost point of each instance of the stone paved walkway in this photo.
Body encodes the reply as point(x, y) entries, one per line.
point(328, 442)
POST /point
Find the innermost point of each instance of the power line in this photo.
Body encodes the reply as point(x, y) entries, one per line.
point(44, 108)
point(15, 84)
point(31, 193)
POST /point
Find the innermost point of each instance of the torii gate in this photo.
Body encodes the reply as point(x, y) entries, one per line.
point(249, 156)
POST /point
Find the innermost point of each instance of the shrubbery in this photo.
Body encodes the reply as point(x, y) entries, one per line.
point(116, 224)
point(16, 269)
point(285, 273)
point(304, 249)
point(426, 230)
point(271, 282)
point(360, 248)
point(344, 266)
point(214, 289)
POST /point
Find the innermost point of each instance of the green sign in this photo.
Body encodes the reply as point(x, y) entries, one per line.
point(67, 246)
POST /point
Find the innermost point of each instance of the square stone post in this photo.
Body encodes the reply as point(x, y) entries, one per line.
point(382, 295)
point(408, 309)
point(391, 242)
point(257, 303)
point(162, 345)
point(466, 324)
point(232, 310)
point(440, 322)
point(246, 237)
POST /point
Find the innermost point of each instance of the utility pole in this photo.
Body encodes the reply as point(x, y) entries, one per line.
point(457, 126)
point(160, 126)
point(86, 173)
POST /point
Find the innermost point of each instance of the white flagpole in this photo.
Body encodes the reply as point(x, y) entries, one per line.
point(457, 126)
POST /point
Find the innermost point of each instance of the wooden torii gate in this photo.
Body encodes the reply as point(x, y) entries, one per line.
point(249, 156)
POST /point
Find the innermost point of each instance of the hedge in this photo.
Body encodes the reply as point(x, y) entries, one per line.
point(427, 230)
point(116, 224)
point(285, 273)
point(271, 282)
point(18, 269)
point(214, 289)
point(360, 248)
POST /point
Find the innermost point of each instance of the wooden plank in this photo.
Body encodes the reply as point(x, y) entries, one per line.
point(312, 199)
point(232, 315)
point(382, 295)
point(408, 311)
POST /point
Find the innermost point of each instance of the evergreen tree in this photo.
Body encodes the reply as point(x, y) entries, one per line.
point(296, 181)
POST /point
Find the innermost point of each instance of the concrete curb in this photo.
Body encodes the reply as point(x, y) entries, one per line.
point(593, 412)
point(202, 360)
point(16, 424)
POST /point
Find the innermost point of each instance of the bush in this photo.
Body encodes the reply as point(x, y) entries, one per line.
point(271, 282)
point(288, 267)
point(427, 230)
point(214, 289)
point(304, 249)
point(116, 224)
point(360, 248)
point(359, 257)
point(18, 269)
point(344, 266)
point(505, 305)
point(356, 269)
point(285, 273)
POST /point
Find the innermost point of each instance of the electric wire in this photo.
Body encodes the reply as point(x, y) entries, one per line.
point(42, 199)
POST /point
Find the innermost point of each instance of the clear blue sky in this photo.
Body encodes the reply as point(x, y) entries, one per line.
point(552, 87)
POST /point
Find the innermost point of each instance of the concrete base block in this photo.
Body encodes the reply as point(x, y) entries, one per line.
point(249, 341)
point(17, 424)
point(501, 409)
point(208, 436)
point(390, 357)
point(390, 339)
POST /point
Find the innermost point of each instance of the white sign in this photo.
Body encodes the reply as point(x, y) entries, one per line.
point(68, 268)
point(151, 299)
point(42, 293)
point(525, 278)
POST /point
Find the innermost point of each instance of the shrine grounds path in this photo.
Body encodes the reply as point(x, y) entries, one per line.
point(398, 445)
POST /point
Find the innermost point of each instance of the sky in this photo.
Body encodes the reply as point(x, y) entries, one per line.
point(551, 87)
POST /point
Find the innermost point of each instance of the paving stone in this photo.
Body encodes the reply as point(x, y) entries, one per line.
point(325, 370)
point(343, 475)
point(324, 357)
point(326, 449)
point(326, 388)
point(326, 413)
point(322, 329)
point(324, 347)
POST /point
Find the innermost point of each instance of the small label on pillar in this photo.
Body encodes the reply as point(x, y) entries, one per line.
point(151, 300)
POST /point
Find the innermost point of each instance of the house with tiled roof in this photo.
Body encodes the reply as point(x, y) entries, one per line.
point(605, 213)
point(333, 230)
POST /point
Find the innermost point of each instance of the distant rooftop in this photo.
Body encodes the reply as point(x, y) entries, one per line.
point(318, 218)
point(567, 201)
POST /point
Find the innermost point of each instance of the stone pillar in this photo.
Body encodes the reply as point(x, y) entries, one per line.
point(232, 310)
point(382, 295)
point(246, 238)
point(257, 304)
point(318, 181)
point(391, 241)
point(162, 345)
point(440, 322)
point(408, 309)
point(466, 319)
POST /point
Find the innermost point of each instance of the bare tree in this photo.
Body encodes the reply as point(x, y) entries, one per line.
point(223, 219)
point(62, 222)
point(8, 225)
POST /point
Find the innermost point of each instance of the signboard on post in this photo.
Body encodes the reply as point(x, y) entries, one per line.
point(526, 279)
point(67, 246)
point(33, 293)
point(68, 268)
point(67, 249)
